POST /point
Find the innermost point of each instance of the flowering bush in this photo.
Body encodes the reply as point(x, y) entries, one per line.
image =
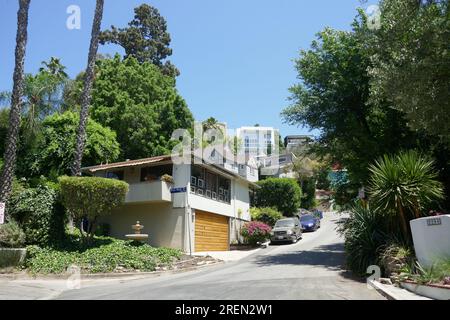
point(255, 231)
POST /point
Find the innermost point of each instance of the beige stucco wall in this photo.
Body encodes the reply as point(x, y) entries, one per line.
point(164, 224)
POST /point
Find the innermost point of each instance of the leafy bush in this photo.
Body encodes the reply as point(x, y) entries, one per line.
point(281, 193)
point(268, 216)
point(103, 255)
point(404, 186)
point(11, 235)
point(91, 198)
point(365, 234)
point(255, 231)
point(167, 178)
point(438, 273)
point(39, 212)
point(395, 258)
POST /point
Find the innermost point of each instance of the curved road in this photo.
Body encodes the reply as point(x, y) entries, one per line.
point(309, 269)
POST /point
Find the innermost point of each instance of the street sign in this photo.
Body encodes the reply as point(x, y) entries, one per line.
point(178, 190)
point(2, 213)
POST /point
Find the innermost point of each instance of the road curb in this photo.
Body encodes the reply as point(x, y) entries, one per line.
point(392, 292)
point(26, 276)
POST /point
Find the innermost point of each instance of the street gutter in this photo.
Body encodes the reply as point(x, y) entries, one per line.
point(94, 276)
point(392, 292)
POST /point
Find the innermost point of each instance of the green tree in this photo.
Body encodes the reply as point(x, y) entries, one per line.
point(411, 67)
point(12, 139)
point(53, 153)
point(146, 39)
point(43, 93)
point(42, 96)
point(140, 104)
point(281, 193)
point(333, 98)
point(91, 198)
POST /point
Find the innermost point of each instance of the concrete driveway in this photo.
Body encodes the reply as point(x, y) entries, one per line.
point(309, 269)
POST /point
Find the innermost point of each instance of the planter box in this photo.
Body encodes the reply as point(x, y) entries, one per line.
point(430, 291)
point(12, 257)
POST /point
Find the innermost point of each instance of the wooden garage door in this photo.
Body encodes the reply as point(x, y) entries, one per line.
point(211, 232)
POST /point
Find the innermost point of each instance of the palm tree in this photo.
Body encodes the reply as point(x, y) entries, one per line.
point(88, 83)
point(16, 102)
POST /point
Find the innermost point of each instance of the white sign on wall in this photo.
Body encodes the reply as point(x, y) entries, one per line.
point(2, 213)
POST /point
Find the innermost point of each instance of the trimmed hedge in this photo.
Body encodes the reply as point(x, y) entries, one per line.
point(284, 194)
point(92, 197)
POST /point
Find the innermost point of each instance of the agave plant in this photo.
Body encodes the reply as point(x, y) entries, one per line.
point(365, 233)
point(404, 185)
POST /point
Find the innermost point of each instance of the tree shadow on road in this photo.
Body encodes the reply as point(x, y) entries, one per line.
point(331, 257)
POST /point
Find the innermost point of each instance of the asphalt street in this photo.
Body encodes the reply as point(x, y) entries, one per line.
point(310, 269)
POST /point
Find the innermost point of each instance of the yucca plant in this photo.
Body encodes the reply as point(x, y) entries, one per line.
point(365, 233)
point(403, 186)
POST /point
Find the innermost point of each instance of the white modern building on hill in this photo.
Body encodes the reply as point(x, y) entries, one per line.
point(257, 142)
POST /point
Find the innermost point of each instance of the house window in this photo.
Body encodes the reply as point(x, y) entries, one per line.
point(155, 173)
point(118, 175)
point(210, 185)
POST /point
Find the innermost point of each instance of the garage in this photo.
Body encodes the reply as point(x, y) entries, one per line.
point(211, 232)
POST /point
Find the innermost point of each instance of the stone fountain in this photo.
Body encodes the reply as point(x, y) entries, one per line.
point(137, 236)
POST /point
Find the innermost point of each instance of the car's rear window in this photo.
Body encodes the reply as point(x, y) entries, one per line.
point(284, 223)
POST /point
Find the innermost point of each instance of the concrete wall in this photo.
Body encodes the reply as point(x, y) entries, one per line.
point(241, 200)
point(235, 230)
point(149, 191)
point(164, 224)
point(431, 237)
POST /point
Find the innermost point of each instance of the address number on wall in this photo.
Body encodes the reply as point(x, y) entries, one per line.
point(434, 222)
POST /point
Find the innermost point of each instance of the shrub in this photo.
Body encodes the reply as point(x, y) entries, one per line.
point(281, 193)
point(403, 186)
point(438, 273)
point(255, 231)
point(268, 216)
point(39, 212)
point(11, 235)
point(365, 234)
point(396, 258)
point(91, 198)
point(103, 255)
point(167, 178)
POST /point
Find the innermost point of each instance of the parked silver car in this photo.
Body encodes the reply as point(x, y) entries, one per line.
point(288, 229)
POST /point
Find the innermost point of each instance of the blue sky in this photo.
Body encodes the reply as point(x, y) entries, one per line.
point(235, 56)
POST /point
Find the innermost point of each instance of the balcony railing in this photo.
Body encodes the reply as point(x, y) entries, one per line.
point(155, 191)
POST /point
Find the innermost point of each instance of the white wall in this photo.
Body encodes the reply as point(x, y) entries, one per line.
point(164, 224)
point(149, 191)
point(431, 239)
